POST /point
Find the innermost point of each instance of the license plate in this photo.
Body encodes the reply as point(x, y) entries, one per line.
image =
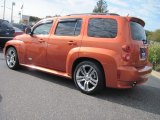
point(142, 53)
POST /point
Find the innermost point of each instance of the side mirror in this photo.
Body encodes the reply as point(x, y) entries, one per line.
point(28, 31)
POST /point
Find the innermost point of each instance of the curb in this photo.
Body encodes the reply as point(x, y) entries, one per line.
point(156, 74)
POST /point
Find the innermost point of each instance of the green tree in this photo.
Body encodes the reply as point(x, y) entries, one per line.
point(154, 36)
point(101, 7)
point(34, 19)
point(148, 33)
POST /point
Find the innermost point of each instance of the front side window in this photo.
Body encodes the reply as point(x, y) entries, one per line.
point(42, 29)
point(137, 31)
point(102, 28)
point(69, 27)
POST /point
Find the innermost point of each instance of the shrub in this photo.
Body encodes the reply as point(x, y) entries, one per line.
point(157, 68)
point(154, 54)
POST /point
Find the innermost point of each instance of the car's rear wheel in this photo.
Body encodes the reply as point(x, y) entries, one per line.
point(12, 58)
point(88, 77)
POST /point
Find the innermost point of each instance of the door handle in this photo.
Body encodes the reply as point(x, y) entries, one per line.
point(72, 43)
point(41, 41)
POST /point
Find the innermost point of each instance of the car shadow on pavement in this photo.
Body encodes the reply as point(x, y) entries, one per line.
point(1, 50)
point(2, 56)
point(48, 77)
point(0, 98)
point(144, 97)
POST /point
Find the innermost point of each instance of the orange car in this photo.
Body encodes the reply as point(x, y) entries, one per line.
point(95, 50)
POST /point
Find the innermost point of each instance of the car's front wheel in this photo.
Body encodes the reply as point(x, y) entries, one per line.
point(88, 77)
point(12, 58)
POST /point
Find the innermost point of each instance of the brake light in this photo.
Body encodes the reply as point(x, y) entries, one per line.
point(126, 57)
point(126, 48)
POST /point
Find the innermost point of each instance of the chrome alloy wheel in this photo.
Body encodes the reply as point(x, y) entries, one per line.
point(11, 57)
point(87, 78)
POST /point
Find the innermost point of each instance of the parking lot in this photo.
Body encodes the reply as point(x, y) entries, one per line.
point(28, 94)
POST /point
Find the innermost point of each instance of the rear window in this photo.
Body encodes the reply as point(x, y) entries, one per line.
point(102, 28)
point(137, 31)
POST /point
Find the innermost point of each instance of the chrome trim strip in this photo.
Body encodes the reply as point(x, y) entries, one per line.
point(7, 37)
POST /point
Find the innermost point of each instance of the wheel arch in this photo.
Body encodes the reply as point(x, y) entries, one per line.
point(107, 59)
point(19, 47)
point(7, 47)
point(81, 59)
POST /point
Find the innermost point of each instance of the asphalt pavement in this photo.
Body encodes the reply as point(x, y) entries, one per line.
point(29, 94)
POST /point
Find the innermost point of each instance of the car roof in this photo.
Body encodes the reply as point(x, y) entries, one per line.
point(99, 15)
point(114, 14)
point(1, 20)
point(82, 15)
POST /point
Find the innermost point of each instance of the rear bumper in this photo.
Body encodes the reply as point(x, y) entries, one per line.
point(129, 76)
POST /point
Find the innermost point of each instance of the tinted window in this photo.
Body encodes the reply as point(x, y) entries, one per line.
point(42, 29)
point(69, 27)
point(102, 27)
point(78, 27)
point(138, 32)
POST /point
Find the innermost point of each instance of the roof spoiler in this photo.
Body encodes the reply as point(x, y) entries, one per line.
point(134, 19)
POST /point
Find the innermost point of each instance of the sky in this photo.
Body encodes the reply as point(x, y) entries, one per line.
point(148, 10)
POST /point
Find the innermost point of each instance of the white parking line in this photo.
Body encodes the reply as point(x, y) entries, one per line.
point(156, 74)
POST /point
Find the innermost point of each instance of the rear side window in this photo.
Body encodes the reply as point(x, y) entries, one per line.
point(69, 27)
point(102, 28)
point(137, 31)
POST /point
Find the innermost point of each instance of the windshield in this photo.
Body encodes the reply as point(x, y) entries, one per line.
point(137, 31)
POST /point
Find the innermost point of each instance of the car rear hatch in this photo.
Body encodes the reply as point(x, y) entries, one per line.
point(139, 42)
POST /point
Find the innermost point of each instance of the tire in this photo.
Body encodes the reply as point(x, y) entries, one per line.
point(89, 77)
point(12, 58)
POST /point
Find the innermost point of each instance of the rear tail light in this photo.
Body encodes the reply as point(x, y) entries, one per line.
point(126, 57)
point(126, 48)
point(126, 54)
